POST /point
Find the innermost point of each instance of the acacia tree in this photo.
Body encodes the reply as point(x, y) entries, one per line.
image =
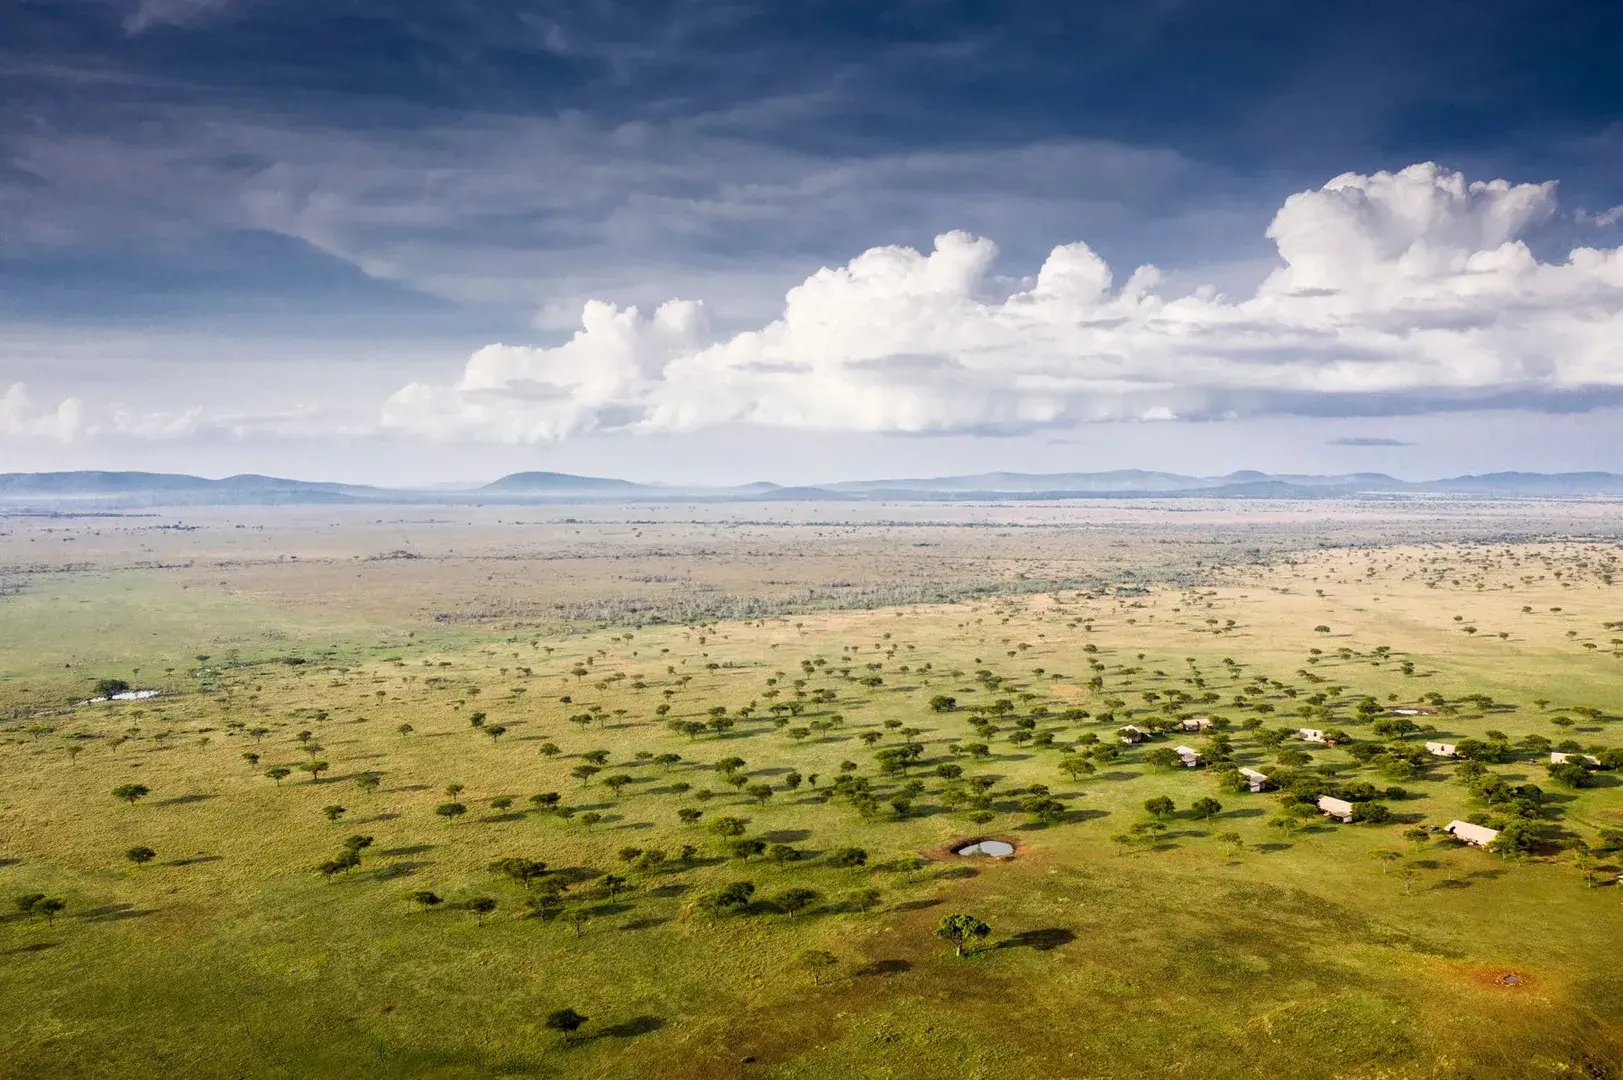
point(131, 792)
point(818, 961)
point(960, 930)
point(566, 1021)
point(1159, 807)
point(50, 907)
point(140, 855)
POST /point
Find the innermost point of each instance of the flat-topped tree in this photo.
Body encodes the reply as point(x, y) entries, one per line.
point(567, 1022)
point(131, 793)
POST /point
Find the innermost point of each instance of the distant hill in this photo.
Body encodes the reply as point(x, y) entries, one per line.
point(177, 488)
point(564, 483)
point(1521, 483)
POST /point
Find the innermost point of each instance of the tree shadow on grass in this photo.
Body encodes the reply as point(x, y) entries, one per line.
point(955, 873)
point(916, 905)
point(114, 913)
point(666, 891)
point(1247, 812)
point(410, 849)
point(184, 800)
point(1265, 848)
point(406, 788)
point(882, 968)
point(35, 947)
point(630, 1029)
point(575, 875)
point(786, 836)
point(398, 870)
point(643, 924)
point(193, 860)
point(1051, 937)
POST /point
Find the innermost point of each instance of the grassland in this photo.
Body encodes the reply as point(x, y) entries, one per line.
point(1255, 941)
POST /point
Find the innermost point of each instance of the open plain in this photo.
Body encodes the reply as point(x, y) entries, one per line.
point(417, 779)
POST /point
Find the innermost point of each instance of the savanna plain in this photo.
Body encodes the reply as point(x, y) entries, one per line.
point(678, 790)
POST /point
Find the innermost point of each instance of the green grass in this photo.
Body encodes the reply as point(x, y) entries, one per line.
point(1299, 956)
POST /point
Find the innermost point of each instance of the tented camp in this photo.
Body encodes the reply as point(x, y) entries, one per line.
point(1197, 723)
point(1188, 755)
point(1476, 835)
point(1310, 734)
point(1558, 758)
point(1443, 749)
point(1257, 780)
point(1132, 734)
point(1339, 809)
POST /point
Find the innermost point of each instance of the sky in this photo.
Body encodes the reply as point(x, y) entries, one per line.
point(728, 241)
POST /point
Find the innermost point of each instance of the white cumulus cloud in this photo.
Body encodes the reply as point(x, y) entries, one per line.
point(21, 418)
point(1401, 292)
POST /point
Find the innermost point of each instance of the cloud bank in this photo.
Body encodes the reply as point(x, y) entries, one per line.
point(1396, 293)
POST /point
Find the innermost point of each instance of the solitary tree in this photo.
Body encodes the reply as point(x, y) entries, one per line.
point(567, 1021)
point(334, 811)
point(425, 899)
point(140, 855)
point(960, 930)
point(450, 811)
point(278, 773)
point(818, 961)
point(131, 792)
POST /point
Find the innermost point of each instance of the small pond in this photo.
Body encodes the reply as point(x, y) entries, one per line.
point(996, 848)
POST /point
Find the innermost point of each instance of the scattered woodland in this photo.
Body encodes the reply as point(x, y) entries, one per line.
point(601, 838)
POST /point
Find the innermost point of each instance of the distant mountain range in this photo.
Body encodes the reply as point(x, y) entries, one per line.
point(105, 490)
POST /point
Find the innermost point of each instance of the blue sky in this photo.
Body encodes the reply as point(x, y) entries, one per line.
point(356, 240)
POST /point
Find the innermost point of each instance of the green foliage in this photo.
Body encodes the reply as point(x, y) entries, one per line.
point(962, 931)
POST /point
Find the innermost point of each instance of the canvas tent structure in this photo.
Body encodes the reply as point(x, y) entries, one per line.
point(1475, 835)
point(1442, 749)
point(1188, 755)
point(1310, 734)
point(1339, 809)
point(1257, 780)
